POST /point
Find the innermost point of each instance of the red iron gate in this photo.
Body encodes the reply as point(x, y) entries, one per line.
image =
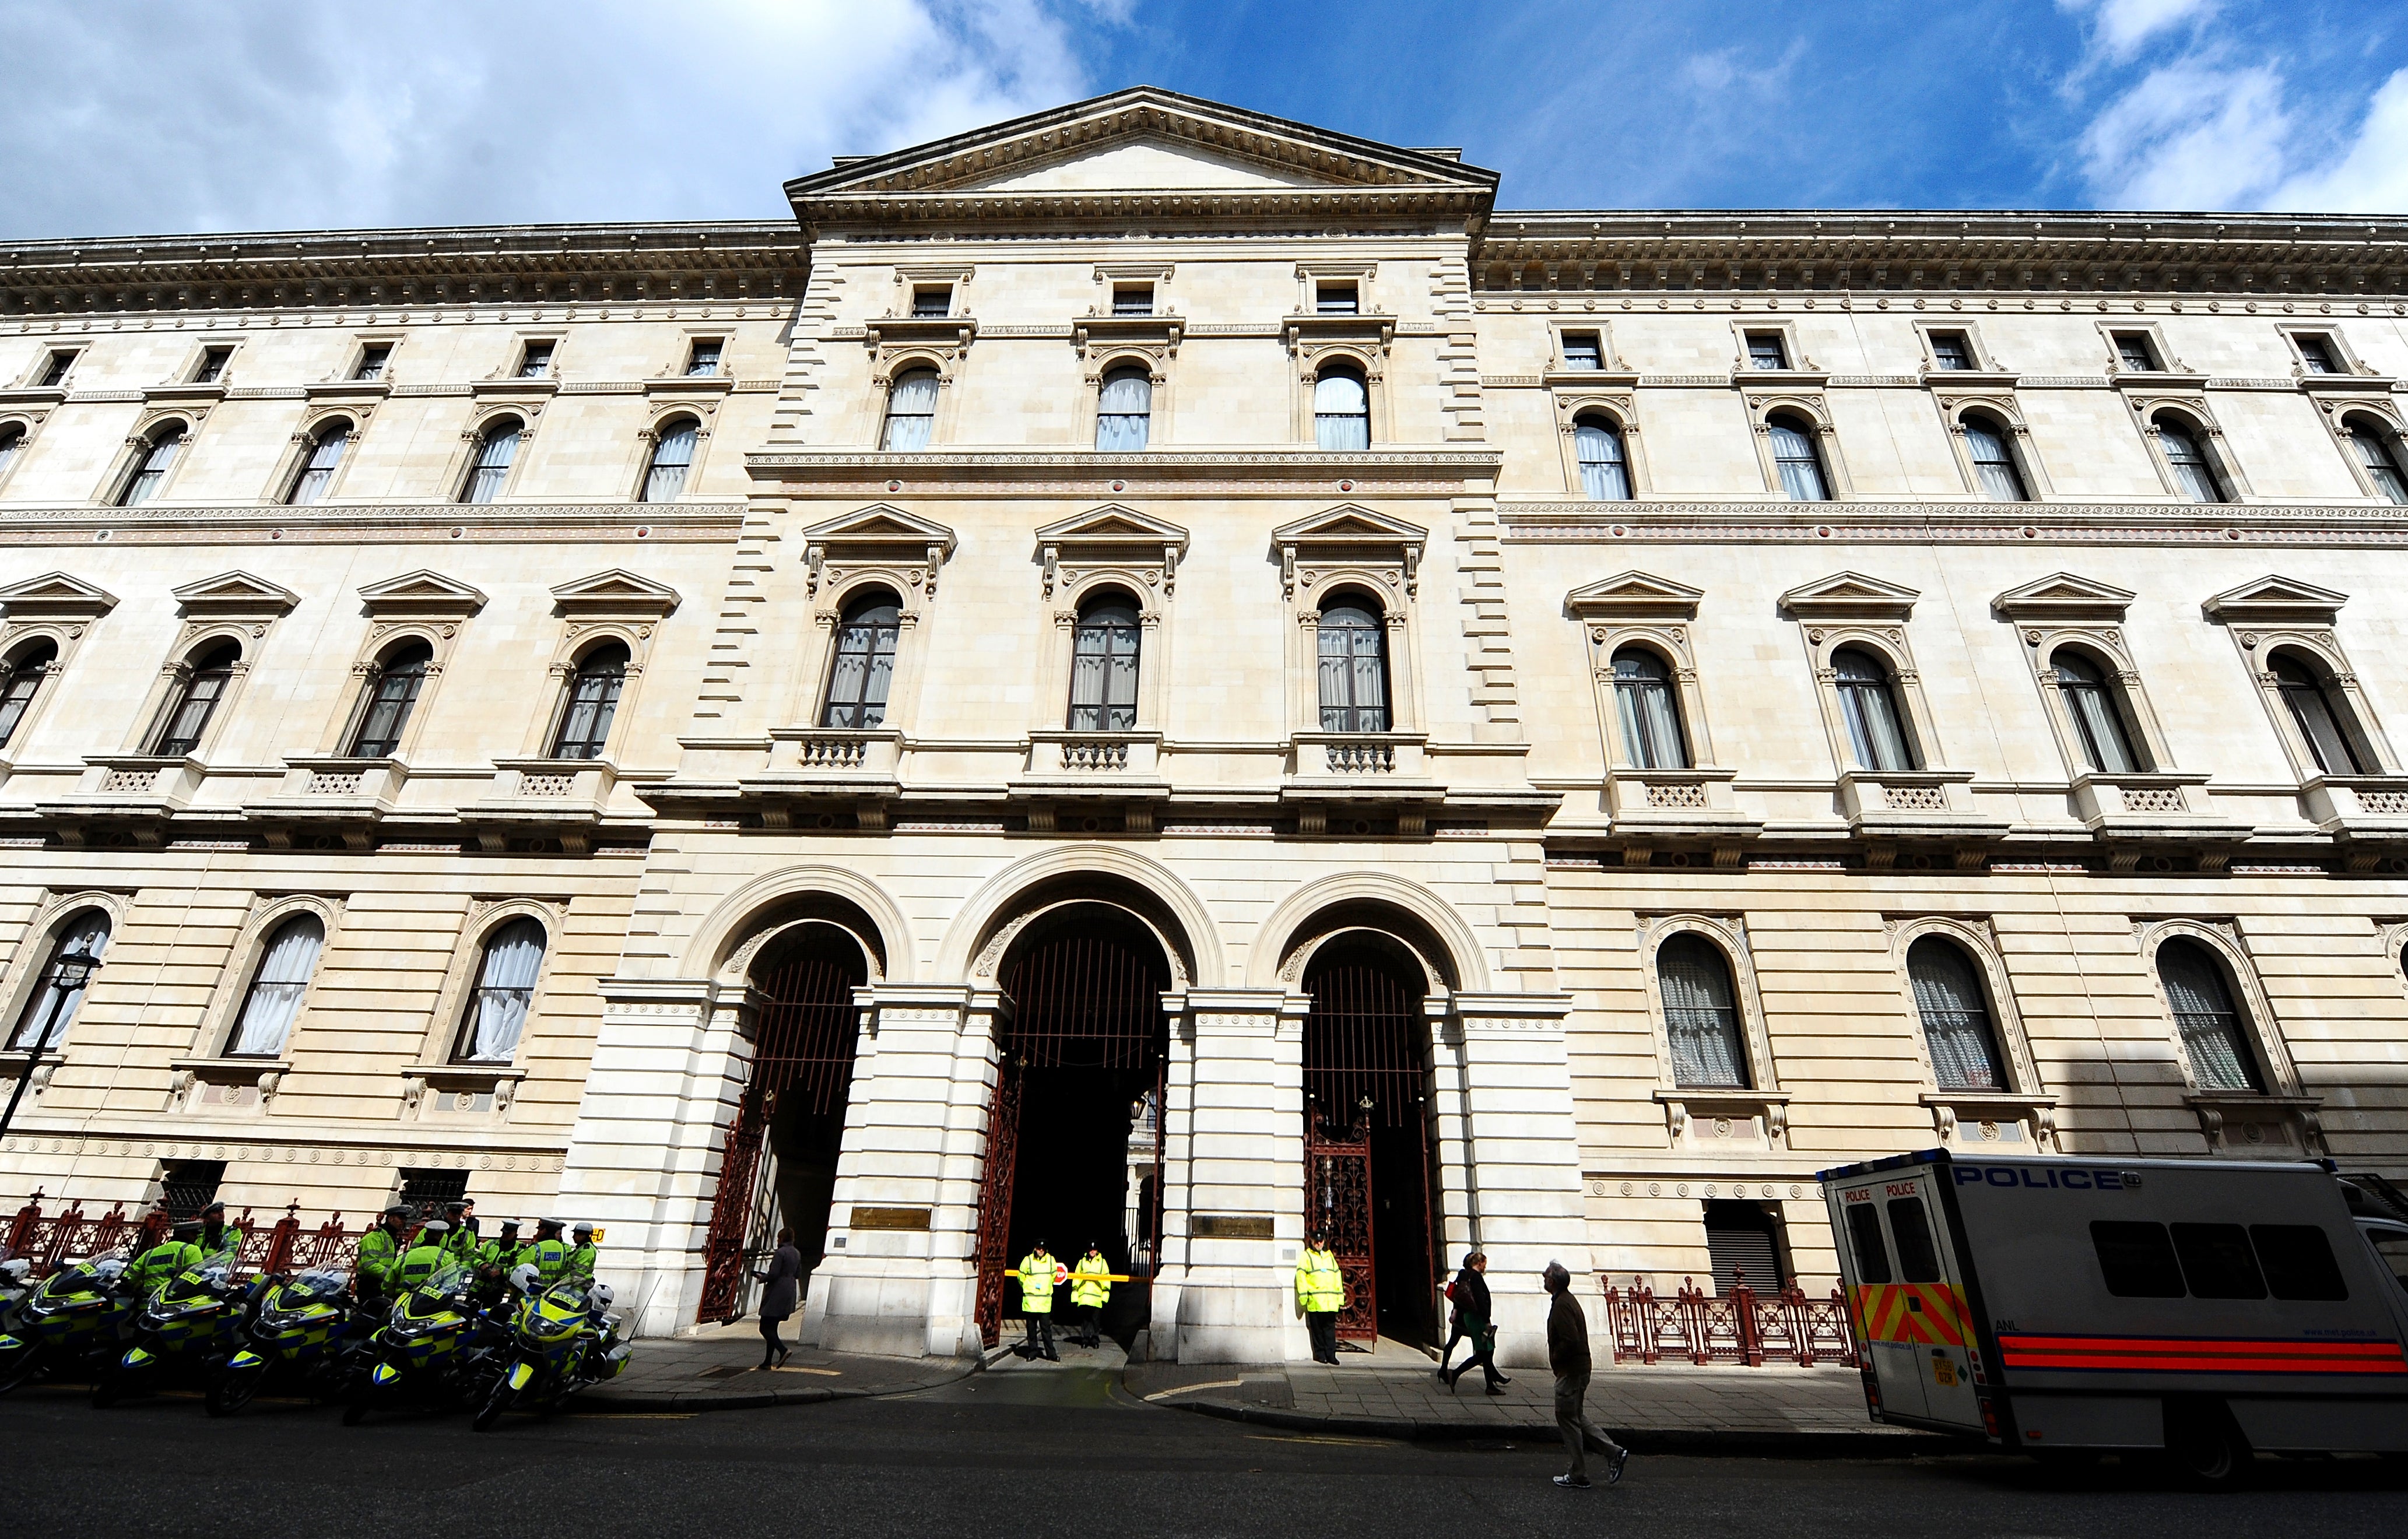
point(1366, 1065)
point(1337, 1199)
point(995, 1200)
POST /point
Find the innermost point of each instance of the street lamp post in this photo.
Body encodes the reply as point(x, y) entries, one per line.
point(68, 975)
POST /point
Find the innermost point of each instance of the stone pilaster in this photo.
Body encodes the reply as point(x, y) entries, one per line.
point(1234, 1181)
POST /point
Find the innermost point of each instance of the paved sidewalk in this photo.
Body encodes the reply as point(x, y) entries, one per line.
point(1394, 1393)
point(716, 1369)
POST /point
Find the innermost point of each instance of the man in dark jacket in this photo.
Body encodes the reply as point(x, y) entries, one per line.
point(1473, 1322)
point(1568, 1355)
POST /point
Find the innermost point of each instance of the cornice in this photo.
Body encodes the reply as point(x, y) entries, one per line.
point(1072, 472)
point(1966, 523)
point(338, 522)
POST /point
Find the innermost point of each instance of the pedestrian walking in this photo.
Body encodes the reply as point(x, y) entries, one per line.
point(1320, 1291)
point(1476, 1322)
point(1567, 1355)
point(1091, 1284)
point(778, 1297)
point(1039, 1272)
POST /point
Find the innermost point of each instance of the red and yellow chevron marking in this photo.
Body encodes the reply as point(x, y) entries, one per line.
point(1889, 1312)
point(2199, 1355)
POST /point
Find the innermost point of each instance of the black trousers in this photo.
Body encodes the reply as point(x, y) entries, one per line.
point(1455, 1332)
point(1086, 1314)
point(1322, 1324)
point(1484, 1349)
point(1041, 1334)
point(770, 1345)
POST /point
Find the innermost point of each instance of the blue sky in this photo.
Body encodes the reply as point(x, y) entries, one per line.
point(127, 116)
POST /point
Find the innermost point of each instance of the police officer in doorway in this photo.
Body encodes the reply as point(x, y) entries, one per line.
point(1037, 1270)
point(1320, 1292)
point(1091, 1284)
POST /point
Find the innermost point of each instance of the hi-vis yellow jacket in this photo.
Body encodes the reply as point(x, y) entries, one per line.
point(1037, 1283)
point(1090, 1282)
point(1320, 1287)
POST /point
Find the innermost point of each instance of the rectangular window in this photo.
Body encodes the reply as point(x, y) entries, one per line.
point(1743, 1249)
point(1583, 351)
point(2317, 354)
point(703, 363)
point(188, 1186)
point(426, 1191)
point(1865, 1239)
point(932, 301)
point(1918, 1257)
point(1950, 350)
point(535, 362)
point(1132, 299)
point(1765, 351)
point(373, 358)
point(2132, 350)
point(1337, 299)
point(2137, 1259)
point(55, 373)
point(2299, 1262)
point(212, 365)
point(2217, 1262)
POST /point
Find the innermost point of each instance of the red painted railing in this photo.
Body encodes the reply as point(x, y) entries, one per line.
point(285, 1245)
point(1743, 1327)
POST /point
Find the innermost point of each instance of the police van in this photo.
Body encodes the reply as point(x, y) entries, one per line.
point(2073, 1305)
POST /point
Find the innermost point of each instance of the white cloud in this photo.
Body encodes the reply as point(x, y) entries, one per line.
point(2120, 27)
point(2371, 175)
point(2189, 135)
point(252, 114)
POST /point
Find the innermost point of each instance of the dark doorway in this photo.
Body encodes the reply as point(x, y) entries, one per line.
point(1744, 1244)
point(1366, 1077)
point(780, 1166)
point(1072, 1154)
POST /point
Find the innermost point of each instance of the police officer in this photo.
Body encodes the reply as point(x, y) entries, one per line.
point(379, 1252)
point(216, 1235)
point(1091, 1284)
point(1321, 1290)
point(427, 1257)
point(163, 1260)
point(580, 1257)
point(548, 1255)
point(1037, 1270)
point(503, 1251)
point(461, 1237)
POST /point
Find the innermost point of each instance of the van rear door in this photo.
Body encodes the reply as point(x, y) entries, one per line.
point(1910, 1305)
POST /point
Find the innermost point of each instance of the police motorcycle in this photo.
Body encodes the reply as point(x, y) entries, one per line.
point(305, 1330)
point(70, 1324)
point(188, 1327)
point(563, 1339)
point(433, 1350)
point(16, 1286)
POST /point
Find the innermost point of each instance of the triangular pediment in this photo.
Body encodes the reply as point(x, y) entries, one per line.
point(1112, 524)
point(2062, 596)
point(1140, 140)
point(2276, 599)
point(235, 593)
point(616, 594)
point(1635, 595)
point(879, 524)
point(421, 592)
point(1850, 596)
point(55, 595)
point(1349, 524)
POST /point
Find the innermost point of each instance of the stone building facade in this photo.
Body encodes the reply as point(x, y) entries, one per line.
point(1172, 676)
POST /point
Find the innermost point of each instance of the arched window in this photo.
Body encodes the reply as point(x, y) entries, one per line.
point(390, 695)
point(276, 989)
point(864, 661)
point(1103, 667)
point(497, 447)
point(12, 438)
point(1124, 410)
point(196, 701)
point(910, 411)
point(498, 1005)
point(1956, 1012)
point(672, 457)
point(1342, 411)
point(1649, 712)
point(1700, 1014)
point(2193, 472)
point(2320, 718)
point(2376, 447)
point(2212, 1034)
point(1605, 473)
point(593, 701)
point(1869, 704)
point(21, 680)
point(64, 979)
point(317, 470)
point(158, 453)
point(2098, 715)
point(1798, 460)
point(1353, 667)
point(1994, 464)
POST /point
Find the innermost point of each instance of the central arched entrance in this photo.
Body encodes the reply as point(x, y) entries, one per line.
point(1073, 1145)
point(1368, 1172)
point(779, 1170)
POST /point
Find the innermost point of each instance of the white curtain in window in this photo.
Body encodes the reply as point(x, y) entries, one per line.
point(1651, 718)
point(276, 993)
point(2204, 1012)
point(505, 988)
point(1700, 1015)
point(1871, 710)
point(1342, 412)
point(495, 453)
point(53, 1008)
point(2374, 453)
point(1801, 468)
point(2096, 719)
point(1955, 1017)
point(912, 412)
point(2313, 713)
point(1993, 465)
point(1605, 475)
point(2192, 473)
point(325, 453)
point(156, 458)
point(1123, 411)
point(672, 457)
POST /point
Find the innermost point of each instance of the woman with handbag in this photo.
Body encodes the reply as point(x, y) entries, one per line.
point(1471, 1306)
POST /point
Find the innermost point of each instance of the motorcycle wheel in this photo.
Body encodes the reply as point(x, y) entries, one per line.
point(355, 1404)
point(229, 1392)
point(18, 1368)
point(496, 1404)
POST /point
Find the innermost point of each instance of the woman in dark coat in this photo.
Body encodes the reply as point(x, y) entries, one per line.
point(1472, 1305)
point(778, 1297)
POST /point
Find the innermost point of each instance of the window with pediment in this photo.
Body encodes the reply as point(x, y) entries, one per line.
point(1104, 662)
point(23, 674)
point(1354, 665)
point(391, 695)
point(2287, 631)
point(863, 670)
point(591, 703)
point(1648, 708)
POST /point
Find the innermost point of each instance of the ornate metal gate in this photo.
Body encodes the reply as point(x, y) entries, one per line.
point(1366, 1064)
point(995, 1200)
point(803, 1043)
point(1338, 1198)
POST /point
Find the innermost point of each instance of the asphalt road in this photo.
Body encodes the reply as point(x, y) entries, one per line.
point(1032, 1455)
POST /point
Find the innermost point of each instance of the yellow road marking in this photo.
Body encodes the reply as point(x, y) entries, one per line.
point(1191, 1389)
point(1305, 1437)
point(825, 1373)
